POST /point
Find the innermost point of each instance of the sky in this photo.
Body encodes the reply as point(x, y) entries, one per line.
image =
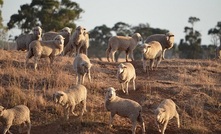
point(171, 15)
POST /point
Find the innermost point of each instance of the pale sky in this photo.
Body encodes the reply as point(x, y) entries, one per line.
point(164, 14)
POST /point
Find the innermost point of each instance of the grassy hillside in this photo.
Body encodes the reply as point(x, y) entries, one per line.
point(194, 85)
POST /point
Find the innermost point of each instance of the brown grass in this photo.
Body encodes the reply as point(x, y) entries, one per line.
point(193, 84)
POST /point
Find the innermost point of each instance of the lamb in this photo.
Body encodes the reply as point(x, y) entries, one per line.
point(79, 42)
point(151, 51)
point(24, 40)
point(126, 73)
point(164, 112)
point(82, 66)
point(123, 107)
point(65, 32)
point(121, 43)
point(18, 115)
point(166, 41)
point(43, 49)
point(70, 98)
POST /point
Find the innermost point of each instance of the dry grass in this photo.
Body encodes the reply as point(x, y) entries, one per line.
point(193, 84)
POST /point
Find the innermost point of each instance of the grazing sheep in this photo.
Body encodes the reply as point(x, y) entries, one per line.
point(79, 42)
point(82, 66)
point(65, 32)
point(164, 112)
point(121, 43)
point(70, 98)
point(24, 40)
point(18, 115)
point(125, 74)
point(43, 49)
point(166, 41)
point(123, 107)
point(151, 51)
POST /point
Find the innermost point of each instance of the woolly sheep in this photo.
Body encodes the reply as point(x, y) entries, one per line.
point(126, 73)
point(65, 32)
point(166, 41)
point(79, 42)
point(82, 66)
point(43, 49)
point(151, 51)
point(18, 115)
point(24, 40)
point(121, 43)
point(164, 112)
point(123, 107)
point(70, 98)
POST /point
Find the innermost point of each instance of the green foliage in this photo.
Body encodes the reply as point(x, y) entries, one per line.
point(216, 33)
point(49, 14)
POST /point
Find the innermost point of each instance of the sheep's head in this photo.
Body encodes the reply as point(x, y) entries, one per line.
point(160, 115)
point(37, 31)
point(1, 110)
point(121, 68)
point(85, 67)
point(80, 30)
point(110, 93)
point(59, 98)
point(145, 48)
point(59, 39)
point(170, 38)
point(66, 30)
point(137, 37)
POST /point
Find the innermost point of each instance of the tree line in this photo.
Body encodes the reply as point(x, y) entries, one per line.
point(53, 15)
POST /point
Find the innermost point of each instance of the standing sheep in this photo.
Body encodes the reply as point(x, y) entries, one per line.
point(166, 41)
point(164, 112)
point(65, 32)
point(24, 40)
point(123, 107)
point(18, 115)
point(151, 51)
point(121, 43)
point(70, 98)
point(43, 49)
point(82, 66)
point(79, 42)
point(126, 73)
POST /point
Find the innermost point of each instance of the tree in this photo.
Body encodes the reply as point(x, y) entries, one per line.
point(1, 25)
point(216, 34)
point(49, 14)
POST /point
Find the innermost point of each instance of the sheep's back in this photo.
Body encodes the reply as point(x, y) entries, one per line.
point(120, 42)
point(79, 59)
point(77, 94)
point(155, 50)
point(21, 114)
point(161, 38)
point(169, 106)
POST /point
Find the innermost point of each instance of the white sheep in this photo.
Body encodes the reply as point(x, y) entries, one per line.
point(78, 42)
point(123, 107)
point(70, 98)
point(164, 112)
point(126, 73)
point(166, 41)
point(151, 51)
point(122, 43)
point(18, 115)
point(65, 32)
point(43, 49)
point(24, 40)
point(82, 66)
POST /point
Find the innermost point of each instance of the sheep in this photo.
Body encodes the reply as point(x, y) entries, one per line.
point(151, 51)
point(123, 107)
point(65, 32)
point(121, 43)
point(166, 41)
point(24, 40)
point(82, 66)
point(18, 115)
point(126, 73)
point(70, 98)
point(43, 49)
point(164, 112)
point(79, 42)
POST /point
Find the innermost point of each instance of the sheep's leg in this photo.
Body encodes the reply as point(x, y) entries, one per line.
point(83, 78)
point(84, 107)
point(66, 111)
point(72, 110)
point(151, 64)
point(122, 87)
point(127, 83)
point(163, 53)
point(134, 86)
point(134, 127)
point(178, 120)
point(89, 76)
point(29, 126)
point(145, 66)
point(112, 53)
point(127, 56)
point(158, 126)
point(131, 55)
point(6, 129)
point(164, 127)
point(158, 61)
point(108, 54)
point(111, 119)
point(36, 62)
point(51, 59)
point(117, 55)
